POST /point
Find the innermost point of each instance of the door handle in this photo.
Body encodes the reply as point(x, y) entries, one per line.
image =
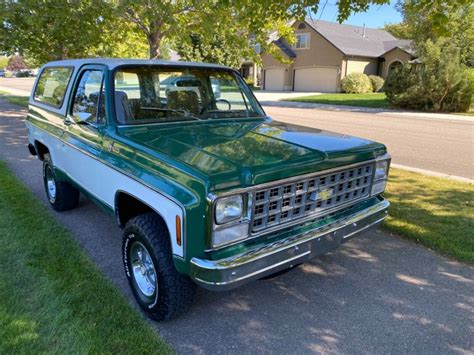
point(67, 122)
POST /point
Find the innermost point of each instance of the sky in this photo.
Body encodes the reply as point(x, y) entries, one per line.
point(377, 15)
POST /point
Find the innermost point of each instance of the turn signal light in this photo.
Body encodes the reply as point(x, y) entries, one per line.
point(178, 230)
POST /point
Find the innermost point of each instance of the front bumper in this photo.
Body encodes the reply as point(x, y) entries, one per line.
point(229, 273)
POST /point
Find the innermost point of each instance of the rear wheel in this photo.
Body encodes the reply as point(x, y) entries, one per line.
point(61, 195)
point(160, 290)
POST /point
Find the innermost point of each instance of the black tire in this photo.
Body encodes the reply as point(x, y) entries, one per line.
point(173, 292)
point(65, 196)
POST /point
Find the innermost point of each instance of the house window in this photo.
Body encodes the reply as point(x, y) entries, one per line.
point(302, 41)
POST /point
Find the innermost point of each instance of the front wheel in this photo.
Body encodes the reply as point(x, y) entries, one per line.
point(161, 291)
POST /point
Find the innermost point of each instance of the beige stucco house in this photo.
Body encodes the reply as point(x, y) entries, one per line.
point(325, 52)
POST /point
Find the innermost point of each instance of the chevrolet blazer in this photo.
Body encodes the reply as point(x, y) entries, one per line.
point(208, 189)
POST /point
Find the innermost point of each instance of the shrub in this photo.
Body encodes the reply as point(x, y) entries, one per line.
point(356, 83)
point(377, 82)
point(470, 77)
point(440, 83)
point(249, 81)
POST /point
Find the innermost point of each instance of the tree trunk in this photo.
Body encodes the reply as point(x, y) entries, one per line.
point(154, 42)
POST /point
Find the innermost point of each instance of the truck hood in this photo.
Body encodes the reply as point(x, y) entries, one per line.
point(241, 153)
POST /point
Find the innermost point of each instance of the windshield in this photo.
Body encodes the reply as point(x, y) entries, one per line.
point(154, 94)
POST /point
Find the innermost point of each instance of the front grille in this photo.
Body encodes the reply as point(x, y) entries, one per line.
point(285, 202)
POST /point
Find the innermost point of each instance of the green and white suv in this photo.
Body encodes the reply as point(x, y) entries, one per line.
point(208, 189)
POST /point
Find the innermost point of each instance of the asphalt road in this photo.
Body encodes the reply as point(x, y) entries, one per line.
point(439, 145)
point(22, 84)
point(375, 294)
point(445, 146)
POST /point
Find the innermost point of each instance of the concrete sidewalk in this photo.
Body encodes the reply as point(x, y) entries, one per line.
point(375, 294)
point(275, 96)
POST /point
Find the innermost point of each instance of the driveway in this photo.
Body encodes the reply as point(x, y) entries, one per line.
point(375, 294)
point(274, 96)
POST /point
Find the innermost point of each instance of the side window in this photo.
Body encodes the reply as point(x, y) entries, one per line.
point(89, 98)
point(52, 85)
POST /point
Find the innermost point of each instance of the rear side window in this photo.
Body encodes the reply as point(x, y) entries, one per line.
point(52, 85)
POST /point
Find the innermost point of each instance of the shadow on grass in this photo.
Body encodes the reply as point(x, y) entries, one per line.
point(435, 212)
point(14, 99)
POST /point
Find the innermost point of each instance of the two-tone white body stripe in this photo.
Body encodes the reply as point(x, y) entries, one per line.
point(103, 182)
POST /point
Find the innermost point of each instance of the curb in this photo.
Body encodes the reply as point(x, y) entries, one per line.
point(433, 173)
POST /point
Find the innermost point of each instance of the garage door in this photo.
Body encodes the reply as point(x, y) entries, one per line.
point(274, 79)
point(316, 79)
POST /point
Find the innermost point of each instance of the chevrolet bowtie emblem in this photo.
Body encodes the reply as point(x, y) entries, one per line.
point(325, 194)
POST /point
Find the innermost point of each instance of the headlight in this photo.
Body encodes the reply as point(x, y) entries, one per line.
point(228, 209)
point(231, 220)
point(382, 165)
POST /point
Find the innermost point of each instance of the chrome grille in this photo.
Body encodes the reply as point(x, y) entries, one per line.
point(282, 203)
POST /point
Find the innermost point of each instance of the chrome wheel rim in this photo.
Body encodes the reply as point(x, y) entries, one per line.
point(143, 269)
point(50, 184)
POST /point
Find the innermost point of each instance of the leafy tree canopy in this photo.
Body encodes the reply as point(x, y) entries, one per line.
point(441, 20)
point(50, 30)
point(220, 31)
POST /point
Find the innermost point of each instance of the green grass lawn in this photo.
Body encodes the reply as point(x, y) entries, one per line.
point(435, 212)
point(53, 299)
point(14, 99)
point(374, 100)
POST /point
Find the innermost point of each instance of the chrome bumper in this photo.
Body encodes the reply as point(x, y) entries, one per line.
point(225, 274)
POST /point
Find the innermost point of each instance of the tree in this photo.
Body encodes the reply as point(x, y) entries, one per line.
point(15, 63)
point(52, 30)
point(440, 83)
point(201, 29)
point(215, 48)
point(399, 30)
point(438, 20)
point(49, 30)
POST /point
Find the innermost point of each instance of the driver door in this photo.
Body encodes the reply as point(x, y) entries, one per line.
point(85, 124)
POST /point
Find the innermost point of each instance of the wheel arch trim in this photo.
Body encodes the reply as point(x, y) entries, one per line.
point(164, 207)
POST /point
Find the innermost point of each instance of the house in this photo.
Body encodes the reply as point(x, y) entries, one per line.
point(325, 52)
